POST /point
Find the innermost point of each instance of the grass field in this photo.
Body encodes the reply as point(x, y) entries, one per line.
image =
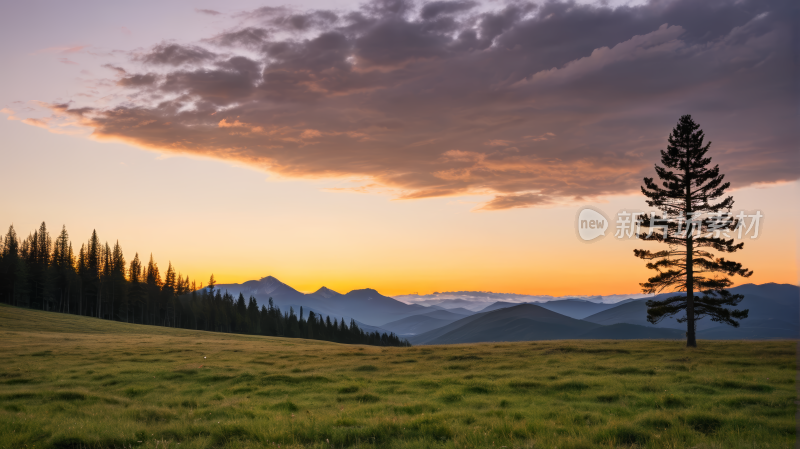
point(79, 382)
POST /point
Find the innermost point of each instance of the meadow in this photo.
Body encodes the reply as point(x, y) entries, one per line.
point(78, 382)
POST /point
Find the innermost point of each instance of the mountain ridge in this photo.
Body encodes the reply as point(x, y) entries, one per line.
point(774, 309)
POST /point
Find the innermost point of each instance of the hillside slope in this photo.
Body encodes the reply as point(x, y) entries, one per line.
point(77, 382)
point(521, 322)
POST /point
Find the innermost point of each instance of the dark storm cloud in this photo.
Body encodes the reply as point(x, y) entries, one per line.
point(433, 9)
point(232, 81)
point(531, 103)
point(395, 41)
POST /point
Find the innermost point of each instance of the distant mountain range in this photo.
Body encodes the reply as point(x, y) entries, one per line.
point(526, 322)
point(366, 305)
point(476, 301)
point(573, 308)
point(774, 313)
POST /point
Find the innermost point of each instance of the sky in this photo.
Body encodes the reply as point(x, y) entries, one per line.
point(410, 147)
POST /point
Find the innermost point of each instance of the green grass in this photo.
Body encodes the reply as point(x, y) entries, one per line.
point(76, 382)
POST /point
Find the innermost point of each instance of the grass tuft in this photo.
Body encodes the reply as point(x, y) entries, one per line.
point(704, 423)
point(366, 368)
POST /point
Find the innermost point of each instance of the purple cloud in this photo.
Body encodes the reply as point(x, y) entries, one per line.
point(532, 104)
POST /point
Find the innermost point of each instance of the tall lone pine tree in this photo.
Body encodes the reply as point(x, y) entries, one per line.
point(693, 222)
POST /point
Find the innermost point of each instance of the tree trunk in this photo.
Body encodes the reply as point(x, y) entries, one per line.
point(691, 342)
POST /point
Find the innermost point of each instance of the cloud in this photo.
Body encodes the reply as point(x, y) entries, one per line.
point(64, 50)
point(36, 122)
point(208, 12)
point(175, 55)
point(662, 43)
point(501, 202)
point(119, 70)
point(439, 8)
point(138, 80)
point(9, 113)
point(478, 300)
point(246, 37)
point(528, 105)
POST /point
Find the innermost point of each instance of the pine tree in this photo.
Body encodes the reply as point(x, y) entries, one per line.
point(153, 282)
point(91, 279)
point(693, 222)
point(82, 275)
point(40, 267)
point(241, 314)
point(105, 281)
point(137, 292)
point(10, 269)
point(64, 269)
point(253, 316)
point(168, 291)
point(119, 287)
point(211, 283)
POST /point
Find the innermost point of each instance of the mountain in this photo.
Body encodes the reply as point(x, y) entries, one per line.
point(414, 325)
point(578, 308)
point(498, 305)
point(779, 302)
point(325, 293)
point(758, 329)
point(470, 305)
point(447, 315)
point(634, 312)
point(373, 307)
point(370, 329)
point(418, 324)
point(571, 307)
point(365, 305)
point(263, 288)
point(517, 323)
point(461, 311)
point(774, 313)
point(427, 337)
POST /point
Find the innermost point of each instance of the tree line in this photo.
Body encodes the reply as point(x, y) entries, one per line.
point(41, 273)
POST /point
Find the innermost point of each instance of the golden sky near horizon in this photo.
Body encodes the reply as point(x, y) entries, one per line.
point(208, 217)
